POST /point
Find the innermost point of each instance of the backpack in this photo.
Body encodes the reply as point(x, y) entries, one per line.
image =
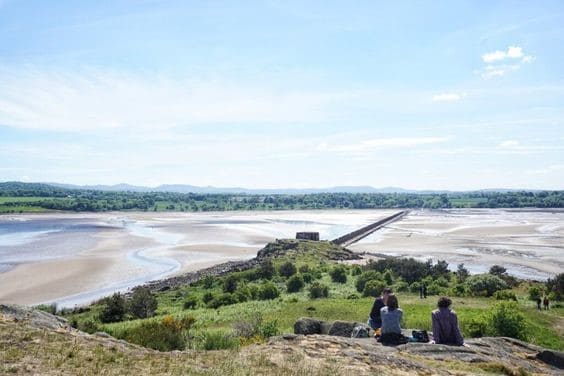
point(420, 336)
point(360, 332)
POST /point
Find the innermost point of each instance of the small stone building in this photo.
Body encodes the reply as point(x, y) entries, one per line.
point(307, 236)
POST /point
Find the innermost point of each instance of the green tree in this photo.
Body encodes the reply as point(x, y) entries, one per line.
point(114, 309)
point(295, 283)
point(462, 273)
point(485, 284)
point(287, 269)
point(268, 291)
point(143, 303)
point(338, 274)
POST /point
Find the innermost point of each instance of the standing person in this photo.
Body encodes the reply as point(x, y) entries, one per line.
point(391, 322)
point(445, 324)
point(539, 301)
point(421, 290)
point(425, 291)
point(375, 320)
point(545, 302)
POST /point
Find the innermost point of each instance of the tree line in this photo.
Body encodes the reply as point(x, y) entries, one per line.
point(55, 198)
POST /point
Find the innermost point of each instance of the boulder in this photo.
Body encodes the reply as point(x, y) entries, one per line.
point(307, 325)
point(554, 358)
point(342, 328)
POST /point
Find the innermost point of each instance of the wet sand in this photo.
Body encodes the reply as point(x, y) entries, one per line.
point(81, 257)
point(530, 244)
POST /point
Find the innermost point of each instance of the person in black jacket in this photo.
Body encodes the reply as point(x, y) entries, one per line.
point(375, 320)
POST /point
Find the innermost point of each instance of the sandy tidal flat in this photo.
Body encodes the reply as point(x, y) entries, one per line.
point(76, 258)
point(529, 243)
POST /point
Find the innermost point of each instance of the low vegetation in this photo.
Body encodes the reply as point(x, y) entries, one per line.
point(247, 307)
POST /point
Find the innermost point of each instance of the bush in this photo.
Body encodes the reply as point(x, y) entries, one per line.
point(535, 292)
point(208, 281)
point(356, 270)
point(410, 270)
point(207, 297)
point(458, 290)
point(213, 340)
point(505, 295)
point(222, 300)
point(287, 269)
point(365, 277)
point(88, 326)
point(266, 270)
point(374, 288)
point(388, 277)
point(318, 290)
point(165, 335)
point(268, 291)
point(256, 327)
point(401, 286)
point(230, 284)
point(415, 287)
point(114, 309)
point(304, 269)
point(477, 327)
point(436, 289)
point(353, 297)
point(307, 277)
point(191, 302)
point(485, 284)
point(338, 274)
point(556, 286)
point(243, 294)
point(49, 308)
point(506, 320)
point(143, 303)
point(294, 284)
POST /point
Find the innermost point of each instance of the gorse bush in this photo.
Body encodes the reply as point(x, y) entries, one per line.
point(505, 295)
point(294, 284)
point(318, 290)
point(165, 335)
point(338, 274)
point(268, 291)
point(287, 269)
point(374, 288)
point(506, 320)
point(484, 284)
point(365, 277)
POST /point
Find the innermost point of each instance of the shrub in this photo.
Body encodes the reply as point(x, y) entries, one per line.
point(505, 295)
point(506, 320)
point(461, 273)
point(191, 302)
point(436, 289)
point(256, 327)
point(458, 290)
point(287, 269)
point(208, 281)
point(497, 270)
point(353, 296)
point(114, 309)
point(409, 269)
point(535, 292)
point(304, 269)
point(266, 270)
point(477, 327)
point(165, 335)
point(294, 284)
point(485, 284)
point(556, 286)
point(307, 277)
point(243, 293)
point(49, 308)
point(207, 297)
point(365, 277)
point(213, 340)
point(356, 270)
point(374, 288)
point(415, 287)
point(318, 290)
point(388, 277)
point(143, 303)
point(401, 286)
point(222, 300)
point(88, 326)
point(338, 274)
point(230, 284)
point(268, 291)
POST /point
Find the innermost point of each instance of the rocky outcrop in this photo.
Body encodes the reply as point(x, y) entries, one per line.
point(308, 326)
point(33, 317)
point(499, 355)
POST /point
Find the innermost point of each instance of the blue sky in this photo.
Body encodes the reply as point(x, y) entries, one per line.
point(275, 94)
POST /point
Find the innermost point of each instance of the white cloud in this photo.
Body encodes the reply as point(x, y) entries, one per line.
point(512, 52)
point(496, 61)
point(447, 97)
point(92, 100)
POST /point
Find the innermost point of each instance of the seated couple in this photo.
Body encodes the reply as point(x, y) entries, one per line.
point(385, 318)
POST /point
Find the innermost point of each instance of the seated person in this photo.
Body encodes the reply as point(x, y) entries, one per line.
point(445, 324)
point(374, 320)
point(391, 322)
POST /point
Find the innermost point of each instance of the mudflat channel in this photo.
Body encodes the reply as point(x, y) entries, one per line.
point(76, 258)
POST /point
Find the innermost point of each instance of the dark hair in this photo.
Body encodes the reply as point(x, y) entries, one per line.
point(387, 290)
point(392, 302)
point(444, 302)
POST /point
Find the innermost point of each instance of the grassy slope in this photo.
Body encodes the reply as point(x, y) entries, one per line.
point(546, 328)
